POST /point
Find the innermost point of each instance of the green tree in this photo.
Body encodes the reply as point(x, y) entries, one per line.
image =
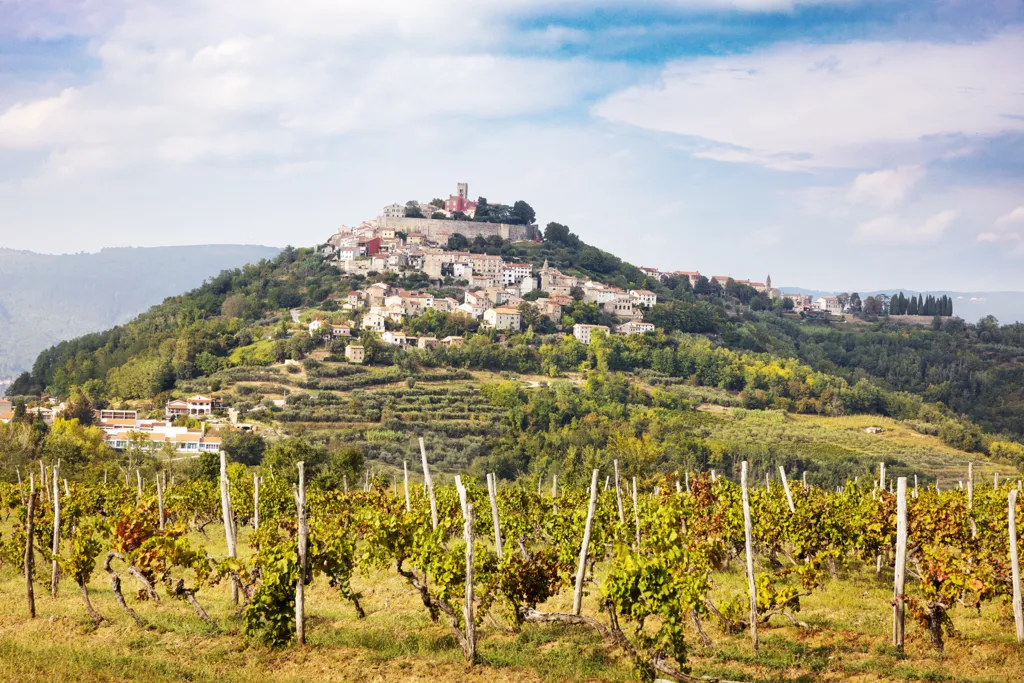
point(523, 213)
point(283, 456)
point(244, 447)
point(412, 209)
point(80, 408)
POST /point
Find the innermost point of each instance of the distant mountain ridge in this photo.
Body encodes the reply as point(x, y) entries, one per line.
point(46, 298)
point(1008, 307)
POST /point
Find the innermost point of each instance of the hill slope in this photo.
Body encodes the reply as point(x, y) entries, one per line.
point(47, 298)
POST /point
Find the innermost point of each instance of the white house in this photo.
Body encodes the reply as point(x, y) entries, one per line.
point(502, 318)
point(643, 297)
point(634, 327)
point(829, 304)
point(395, 339)
point(583, 332)
point(514, 273)
point(373, 322)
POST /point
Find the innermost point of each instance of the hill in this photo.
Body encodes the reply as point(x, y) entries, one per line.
point(243, 334)
point(48, 298)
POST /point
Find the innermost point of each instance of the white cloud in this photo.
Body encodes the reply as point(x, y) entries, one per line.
point(228, 81)
point(885, 188)
point(845, 105)
point(1009, 229)
point(1013, 218)
point(893, 230)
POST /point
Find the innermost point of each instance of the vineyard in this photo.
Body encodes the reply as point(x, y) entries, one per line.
point(654, 575)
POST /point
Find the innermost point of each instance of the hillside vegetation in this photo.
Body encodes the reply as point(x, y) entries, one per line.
point(958, 382)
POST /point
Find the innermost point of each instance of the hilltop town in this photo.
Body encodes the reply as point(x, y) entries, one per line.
point(431, 239)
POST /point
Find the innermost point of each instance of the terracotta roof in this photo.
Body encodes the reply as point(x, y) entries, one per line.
point(190, 436)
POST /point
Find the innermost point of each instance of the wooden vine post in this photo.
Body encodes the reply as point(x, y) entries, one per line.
point(1018, 610)
point(785, 486)
point(636, 515)
point(429, 483)
point(749, 543)
point(30, 529)
point(900, 575)
point(467, 532)
point(138, 478)
point(405, 469)
point(255, 502)
point(160, 500)
point(55, 575)
point(492, 492)
point(577, 598)
point(970, 498)
point(303, 534)
point(618, 493)
point(228, 518)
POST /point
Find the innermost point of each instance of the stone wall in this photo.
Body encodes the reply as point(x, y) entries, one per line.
point(441, 230)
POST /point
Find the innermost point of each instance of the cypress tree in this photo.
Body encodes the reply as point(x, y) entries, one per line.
point(912, 306)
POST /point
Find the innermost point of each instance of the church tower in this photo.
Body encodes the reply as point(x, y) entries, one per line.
point(768, 282)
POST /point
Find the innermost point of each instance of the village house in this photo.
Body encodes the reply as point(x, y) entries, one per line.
point(583, 333)
point(356, 299)
point(315, 327)
point(395, 339)
point(445, 305)
point(451, 342)
point(653, 273)
point(502, 318)
point(194, 406)
point(438, 264)
point(416, 238)
point(829, 304)
point(800, 301)
point(549, 307)
point(691, 275)
point(634, 327)
point(373, 322)
point(597, 293)
point(393, 211)
point(355, 353)
point(341, 331)
point(475, 304)
point(514, 273)
point(426, 342)
point(643, 297)
point(377, 293)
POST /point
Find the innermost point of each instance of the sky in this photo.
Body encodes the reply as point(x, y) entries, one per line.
point(833, 144)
